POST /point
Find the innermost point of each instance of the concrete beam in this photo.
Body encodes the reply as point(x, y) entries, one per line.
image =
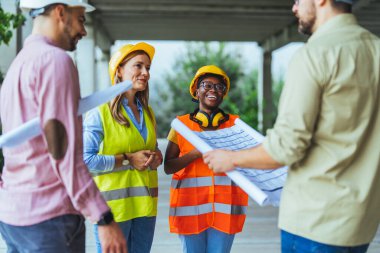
point(285, 36)
point(290, 33)
point(101, 35)
point(192, 8)
point(359, 4)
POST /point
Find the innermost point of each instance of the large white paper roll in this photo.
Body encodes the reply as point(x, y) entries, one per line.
point(32, 128)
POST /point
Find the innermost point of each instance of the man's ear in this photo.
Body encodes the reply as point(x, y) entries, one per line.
point(321, 2)
point(60, 11)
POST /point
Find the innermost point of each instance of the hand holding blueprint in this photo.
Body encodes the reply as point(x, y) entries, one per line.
point(32, 128)
point(263, 186)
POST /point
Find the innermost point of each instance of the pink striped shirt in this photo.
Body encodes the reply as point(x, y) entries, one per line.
point(43, 82)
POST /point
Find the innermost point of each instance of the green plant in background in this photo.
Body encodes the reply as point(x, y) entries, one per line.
point(173, 98)
point(277, 86)
point(8, 22)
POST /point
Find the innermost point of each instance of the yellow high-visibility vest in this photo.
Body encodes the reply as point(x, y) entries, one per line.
point(129, 193)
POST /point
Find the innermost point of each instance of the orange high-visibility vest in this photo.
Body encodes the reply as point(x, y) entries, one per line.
point(201, 199)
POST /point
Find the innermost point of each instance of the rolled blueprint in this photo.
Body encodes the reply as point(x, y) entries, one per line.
point(250, 188)
point(32, 128)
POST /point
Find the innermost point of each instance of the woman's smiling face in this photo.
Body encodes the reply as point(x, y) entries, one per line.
point(210, 94)
point(136, 70)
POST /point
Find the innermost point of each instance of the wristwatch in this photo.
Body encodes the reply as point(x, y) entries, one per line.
point(106, 219)
point(125, 162)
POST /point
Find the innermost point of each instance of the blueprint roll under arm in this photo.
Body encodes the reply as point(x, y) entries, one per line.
point(32, 128)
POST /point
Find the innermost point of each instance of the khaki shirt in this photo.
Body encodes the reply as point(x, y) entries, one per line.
point(328, 132)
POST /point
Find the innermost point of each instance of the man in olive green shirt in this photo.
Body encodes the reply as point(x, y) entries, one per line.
point(327, 132)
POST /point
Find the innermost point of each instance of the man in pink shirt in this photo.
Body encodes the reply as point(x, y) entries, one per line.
point(45, 186)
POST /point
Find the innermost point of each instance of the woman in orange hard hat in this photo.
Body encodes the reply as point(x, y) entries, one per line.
point(206, 209)
point(120, 149)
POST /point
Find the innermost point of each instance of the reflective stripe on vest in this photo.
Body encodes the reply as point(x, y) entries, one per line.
point(201, 181)
point(207, 208)
point(122, 168)
point(130, 192)
point(200, 199)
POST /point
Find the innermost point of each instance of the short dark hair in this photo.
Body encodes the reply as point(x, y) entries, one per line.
point(341, 6)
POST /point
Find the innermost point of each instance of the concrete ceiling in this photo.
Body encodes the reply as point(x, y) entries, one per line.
point(268, 22)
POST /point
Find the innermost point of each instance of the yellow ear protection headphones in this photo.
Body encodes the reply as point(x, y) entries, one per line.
point(204, 120)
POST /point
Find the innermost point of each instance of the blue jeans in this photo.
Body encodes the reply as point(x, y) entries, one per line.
point(63, 234)
point(208, 241)
point(138, 233)
point(291, 243)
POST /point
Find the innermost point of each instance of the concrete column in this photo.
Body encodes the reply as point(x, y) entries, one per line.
point(102, 56)
point(101, 61)
point(265, 92)
point(85, 59)
point(92, 57)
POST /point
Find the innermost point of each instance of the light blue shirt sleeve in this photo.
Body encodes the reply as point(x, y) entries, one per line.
point(93, 136)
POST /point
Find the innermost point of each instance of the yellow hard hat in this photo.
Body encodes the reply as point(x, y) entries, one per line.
point(123, 52)
point(209, 69)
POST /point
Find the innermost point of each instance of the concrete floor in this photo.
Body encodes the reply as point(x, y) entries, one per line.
point(260, 234)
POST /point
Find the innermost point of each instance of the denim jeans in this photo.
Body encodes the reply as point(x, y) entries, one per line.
point(138, 233)
point(208, 241)
point(291, 243)
point(63, 234)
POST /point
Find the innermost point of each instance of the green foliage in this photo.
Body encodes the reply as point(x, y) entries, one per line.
point(277, 86)
point(8, 22)
point(242, 99)
point(174, 98)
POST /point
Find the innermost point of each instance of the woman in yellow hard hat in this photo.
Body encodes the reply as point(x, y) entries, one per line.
point(206, 209)
point(120, 149)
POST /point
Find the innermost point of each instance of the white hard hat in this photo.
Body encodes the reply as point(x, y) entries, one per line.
point(27, 5)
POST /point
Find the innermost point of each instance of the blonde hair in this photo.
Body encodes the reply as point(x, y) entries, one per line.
point(142, 96)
